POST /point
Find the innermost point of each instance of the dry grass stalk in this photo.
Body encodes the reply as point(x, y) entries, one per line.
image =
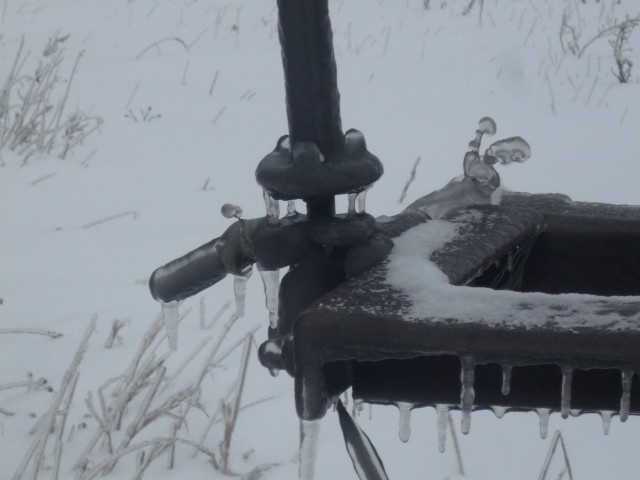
point(57, 454)
point(114, 333)
point(230, 410)
point(35, 331)
point(412, 177)
point(111, 217)
point(159, 42)
point(557, 439)
point(40, 442)
point(31, 117)
point(456, 444)
point(146, 377)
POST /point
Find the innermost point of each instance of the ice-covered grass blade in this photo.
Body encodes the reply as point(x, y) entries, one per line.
point(365, 458)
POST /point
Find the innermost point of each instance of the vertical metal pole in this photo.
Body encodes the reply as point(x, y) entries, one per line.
point(313, 100)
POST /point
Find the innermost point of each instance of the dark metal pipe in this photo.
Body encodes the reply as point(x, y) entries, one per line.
point(188, 275)
point(313, 100)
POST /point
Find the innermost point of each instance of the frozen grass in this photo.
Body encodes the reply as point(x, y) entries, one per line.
point(33, 107)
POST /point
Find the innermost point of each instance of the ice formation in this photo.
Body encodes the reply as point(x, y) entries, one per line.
point(467, 394)
point(405, 420)
point(309, 433)
point(506, 378)
point(625, 401)
point(499, 411)
point(606, 416)
point(544, 414)
point(567, 380)
point(170, 316)
point(272, 207)
point(271, 282)
point(351, 209)
point(361, 200)
point(480, 179)
point(442, 412)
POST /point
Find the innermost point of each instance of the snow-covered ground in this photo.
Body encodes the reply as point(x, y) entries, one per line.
point(414, 81)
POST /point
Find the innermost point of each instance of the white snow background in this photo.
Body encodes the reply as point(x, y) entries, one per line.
point(414, 81)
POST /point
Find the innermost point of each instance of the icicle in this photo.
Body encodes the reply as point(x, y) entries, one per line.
point(291, 208)
point(351, 197)
point(575, 412)
point(405, 420)
point(170, 316)
point(240, 290)
point(362, 198)
point(271, 282)
point(544, 414)
point(567, 379)
point(309, 433)
point(506, 378)
point(370, 411)
point(606, 416)
point(499, 411)
point(272, 206)
point(274, 372)
point(467, 394)
point(625, 400)
point(442, 411)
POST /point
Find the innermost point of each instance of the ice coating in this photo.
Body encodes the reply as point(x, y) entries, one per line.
point(606, 416)
point(625, 400)
point(271, 283)
point(405, 421)
point(567, 380)
point(171, 316)
point(467, 394)
point(544, 414)
point(506, 378)
point(309, 433)
point(442, 412)
point(291, 208)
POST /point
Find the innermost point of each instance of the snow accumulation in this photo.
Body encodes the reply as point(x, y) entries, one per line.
point(432, 296)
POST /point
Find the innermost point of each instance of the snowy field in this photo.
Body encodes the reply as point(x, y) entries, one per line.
point(189, 96)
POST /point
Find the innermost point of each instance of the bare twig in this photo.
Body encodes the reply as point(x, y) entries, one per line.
point(43, 178)
point(412, 177)
point(218, 115)
point(213, 82)
point(156, 44)
point(133, 94)
point(111, 217)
